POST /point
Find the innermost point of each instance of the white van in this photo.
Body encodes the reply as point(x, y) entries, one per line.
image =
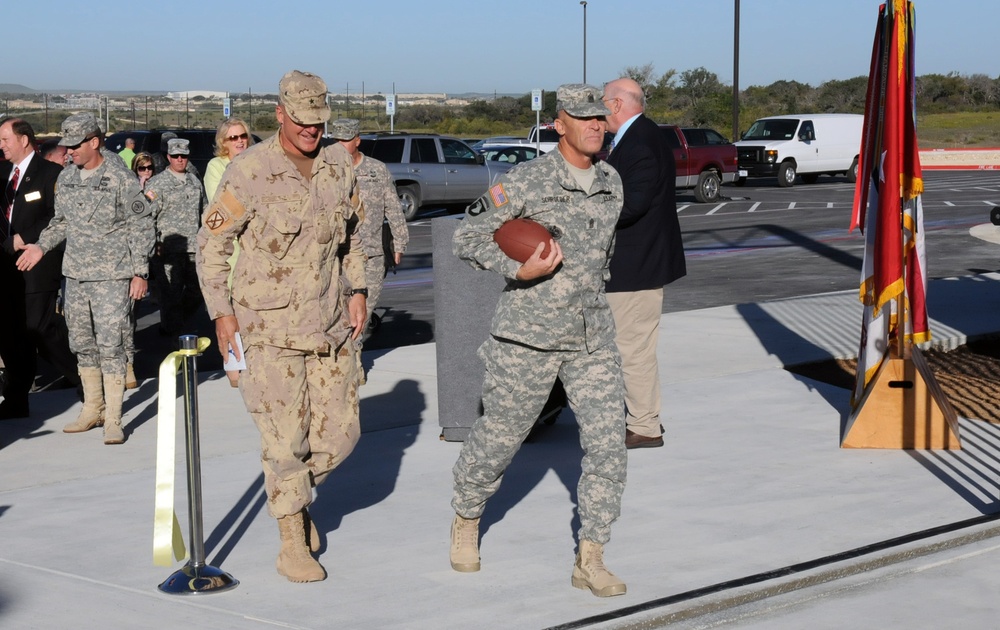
point(809, 145)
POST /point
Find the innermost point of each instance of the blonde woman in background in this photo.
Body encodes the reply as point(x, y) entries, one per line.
point(232, 138)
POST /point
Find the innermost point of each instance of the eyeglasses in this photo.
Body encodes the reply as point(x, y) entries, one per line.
point(144, 168)
point(77, 146)
point(178, 157)
point(234, 138)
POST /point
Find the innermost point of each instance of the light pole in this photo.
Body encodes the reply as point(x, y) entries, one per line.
point(584, 4)
point(736, 71)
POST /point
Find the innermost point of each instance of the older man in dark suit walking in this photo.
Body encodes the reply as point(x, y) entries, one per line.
point(29, 321)
point(648, 254)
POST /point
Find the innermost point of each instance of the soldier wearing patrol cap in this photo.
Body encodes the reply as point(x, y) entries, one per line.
point(381, 206)
point(105, 222)
point(178, 201)
point(552, 321)
point(298, 302)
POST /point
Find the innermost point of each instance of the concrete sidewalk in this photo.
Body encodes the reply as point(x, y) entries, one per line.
point(751, 514)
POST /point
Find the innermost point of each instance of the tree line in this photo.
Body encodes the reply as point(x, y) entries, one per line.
point(698, 98)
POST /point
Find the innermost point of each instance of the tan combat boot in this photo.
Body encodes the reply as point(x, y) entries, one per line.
point(130, 381)
point(92, 414)
point(465, 544)
point(294, 560)
point(114, 393)
point(590, 572)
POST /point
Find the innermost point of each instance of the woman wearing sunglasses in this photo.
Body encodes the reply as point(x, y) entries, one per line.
point(231, 139)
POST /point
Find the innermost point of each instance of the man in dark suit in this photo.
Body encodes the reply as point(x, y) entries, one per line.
point(648, 254)
point(29, 321)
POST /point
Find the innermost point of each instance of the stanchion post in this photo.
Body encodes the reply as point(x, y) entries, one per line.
point(197, 576)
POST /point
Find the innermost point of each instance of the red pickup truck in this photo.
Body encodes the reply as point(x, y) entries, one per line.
point(705, 160)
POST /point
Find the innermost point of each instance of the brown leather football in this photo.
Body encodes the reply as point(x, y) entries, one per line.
point(518, 238)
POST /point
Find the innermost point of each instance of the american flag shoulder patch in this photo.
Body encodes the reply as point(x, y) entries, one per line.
point(498, 195)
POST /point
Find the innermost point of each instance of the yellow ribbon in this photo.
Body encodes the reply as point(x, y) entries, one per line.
point(167, 538)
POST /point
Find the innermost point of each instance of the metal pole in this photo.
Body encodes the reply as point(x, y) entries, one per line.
point(736, 72)
point(584, 3)
point(196, 576)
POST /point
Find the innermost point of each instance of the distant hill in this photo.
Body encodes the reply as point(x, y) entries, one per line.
point(15, 88)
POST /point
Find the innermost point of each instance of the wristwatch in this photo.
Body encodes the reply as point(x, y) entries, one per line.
point(363, 292)
point(144, 276)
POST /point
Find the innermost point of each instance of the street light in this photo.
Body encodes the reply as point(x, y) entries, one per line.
point(584, 4)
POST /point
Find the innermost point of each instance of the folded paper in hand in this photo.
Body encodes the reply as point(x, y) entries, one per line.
point(231, 363)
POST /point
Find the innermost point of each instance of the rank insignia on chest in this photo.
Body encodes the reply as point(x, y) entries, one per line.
point(498, 195)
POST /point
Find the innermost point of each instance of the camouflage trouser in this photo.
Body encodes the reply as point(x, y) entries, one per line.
point(375, 276)
point(306, 409)
point(517, 383)
point(97, 316)
point(177, 288)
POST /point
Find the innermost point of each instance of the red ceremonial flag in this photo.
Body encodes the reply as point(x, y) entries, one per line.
point(887, 197)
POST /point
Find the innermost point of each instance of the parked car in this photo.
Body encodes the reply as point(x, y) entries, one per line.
point(809, 145)
point(202, 143)
point(428, 168)
point(479, 145)
point(704, 158)
point(511, 154)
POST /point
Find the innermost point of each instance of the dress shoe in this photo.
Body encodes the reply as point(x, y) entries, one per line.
point(11, 409)
point(634, 440)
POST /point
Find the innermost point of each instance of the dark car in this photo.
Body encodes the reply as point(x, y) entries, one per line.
point(202, 143)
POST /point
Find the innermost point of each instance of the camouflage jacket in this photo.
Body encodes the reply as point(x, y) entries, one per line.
point(381, 202)
point(105, 221)
point(567, 310)
point(177, 208)
point(297, 259)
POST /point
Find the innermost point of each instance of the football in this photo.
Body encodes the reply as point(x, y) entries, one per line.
point(518, 238)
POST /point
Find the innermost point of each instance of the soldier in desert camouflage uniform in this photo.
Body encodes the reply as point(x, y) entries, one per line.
point(381, 204)
point(178, 199)
point(552, 320)
point(298, 301)
point(106, 223)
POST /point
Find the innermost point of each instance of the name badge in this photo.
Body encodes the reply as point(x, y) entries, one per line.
point(33, 196)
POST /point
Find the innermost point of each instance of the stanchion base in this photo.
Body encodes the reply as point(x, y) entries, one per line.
point(191, 580)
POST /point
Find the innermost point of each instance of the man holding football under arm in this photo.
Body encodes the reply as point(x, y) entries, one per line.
point(552, 320)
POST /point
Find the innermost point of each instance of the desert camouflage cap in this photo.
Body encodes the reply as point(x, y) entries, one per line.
point(77, 127)
point(178, 146)
point(303, 98)
point(581, 100)
point(345, 128)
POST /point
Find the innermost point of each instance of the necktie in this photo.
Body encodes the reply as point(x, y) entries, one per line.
point(11, 189)
point(611, 147)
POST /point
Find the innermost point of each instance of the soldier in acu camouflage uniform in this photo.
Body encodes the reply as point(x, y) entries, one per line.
point(107, 226)
point(381, 204)
point(179, 199)
point(298, 301)
point(552, 320)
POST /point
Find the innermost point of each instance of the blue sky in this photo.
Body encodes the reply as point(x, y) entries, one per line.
point(455, 46)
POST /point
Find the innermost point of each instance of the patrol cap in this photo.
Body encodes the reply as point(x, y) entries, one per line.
point(178, 146)
point(303, 97)
point(77, 127)
point(581, 100)
point(345, 128)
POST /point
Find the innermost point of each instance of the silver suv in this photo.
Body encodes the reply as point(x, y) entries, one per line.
point(428, 168)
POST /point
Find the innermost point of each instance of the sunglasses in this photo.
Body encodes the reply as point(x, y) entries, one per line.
point(234, 138)
point(144, 168)
point(179, 157)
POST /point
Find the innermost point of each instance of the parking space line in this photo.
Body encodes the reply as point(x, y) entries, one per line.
point(716, 208)
point(947, 203)
point(679, 208)
point(754, 206)
point(791, 205)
